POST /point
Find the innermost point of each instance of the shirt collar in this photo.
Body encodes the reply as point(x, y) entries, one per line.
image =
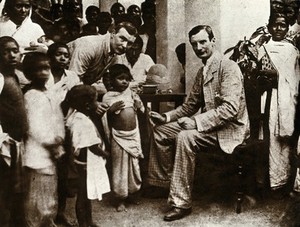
point(209, 62)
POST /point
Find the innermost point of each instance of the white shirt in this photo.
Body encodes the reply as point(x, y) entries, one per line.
point(45, 121)
point(28, 31)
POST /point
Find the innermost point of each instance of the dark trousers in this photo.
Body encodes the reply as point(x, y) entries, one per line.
point(83, 204)
point(62, 174)
point(11, 200)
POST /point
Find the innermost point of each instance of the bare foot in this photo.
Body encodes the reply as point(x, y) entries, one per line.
point(63, 220)
point(121, 207)
point(133, 200)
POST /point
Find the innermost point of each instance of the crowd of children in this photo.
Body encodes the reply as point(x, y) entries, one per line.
point(49, 123)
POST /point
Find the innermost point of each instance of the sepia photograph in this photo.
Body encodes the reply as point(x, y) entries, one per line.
point(145, 113)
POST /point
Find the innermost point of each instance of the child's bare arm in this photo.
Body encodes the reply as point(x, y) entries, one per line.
point(138, 104)
point(97, 150)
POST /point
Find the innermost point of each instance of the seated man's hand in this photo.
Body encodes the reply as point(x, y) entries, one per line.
point(187, 123)
point(102, 108)
point(157, 118)
point(116, 106)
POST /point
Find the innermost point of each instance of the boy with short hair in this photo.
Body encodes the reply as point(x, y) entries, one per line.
point(43, 145)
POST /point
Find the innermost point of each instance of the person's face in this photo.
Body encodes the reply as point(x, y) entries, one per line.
point(279, 29)
point(121, 40)
point(202, 46)
point(103, 26)
point(21, 10)
point(58, 12)
point(92, 17)
point(121, 82)
point(133, 52)
point(61, 58)
point(277, 6)
point(92, 106)
point(42, 72)
point(118, 11)
point(10, 55)
point(291, 14)
point(135, 11)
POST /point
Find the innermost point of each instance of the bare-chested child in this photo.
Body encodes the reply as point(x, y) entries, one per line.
point(125, 137)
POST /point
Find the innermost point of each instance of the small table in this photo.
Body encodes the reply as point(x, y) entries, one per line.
point(156, 99)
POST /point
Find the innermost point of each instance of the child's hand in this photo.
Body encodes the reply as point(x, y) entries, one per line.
point(102, 108)
point(97, 150)
point(138, 104)
point(58, 152)
point(104, 153)
point(116, 106)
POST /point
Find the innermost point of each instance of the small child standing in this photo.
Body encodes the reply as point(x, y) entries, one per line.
point(88, 149)
point(125, 137)
point(43, 145)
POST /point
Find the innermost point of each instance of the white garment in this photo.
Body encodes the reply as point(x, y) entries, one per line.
point(284, 57)
point(89, 54)
point(46, 123)
point(59, 90)
point(84, 135)
point(28, 31)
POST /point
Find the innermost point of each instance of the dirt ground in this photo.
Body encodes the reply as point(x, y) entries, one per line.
point(207, 211)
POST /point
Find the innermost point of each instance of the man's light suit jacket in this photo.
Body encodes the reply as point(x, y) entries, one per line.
point(220, 94)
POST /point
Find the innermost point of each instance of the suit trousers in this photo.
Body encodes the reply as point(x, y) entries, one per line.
point(172, 159)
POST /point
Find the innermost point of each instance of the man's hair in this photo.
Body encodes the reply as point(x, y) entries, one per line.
point(118, 69)
point(30, 63)
point(198, 28)
point(54, 47)
point(79, 95)
point(7, 39)
point(130, 28)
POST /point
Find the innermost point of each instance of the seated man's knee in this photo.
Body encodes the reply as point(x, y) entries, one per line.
point(185, 135)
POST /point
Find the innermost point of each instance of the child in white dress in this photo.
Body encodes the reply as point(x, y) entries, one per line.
point(89, 151)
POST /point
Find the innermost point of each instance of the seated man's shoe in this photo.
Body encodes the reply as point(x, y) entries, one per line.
point(177, 213)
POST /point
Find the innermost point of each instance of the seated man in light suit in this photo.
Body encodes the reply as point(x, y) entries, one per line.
point(221, 124)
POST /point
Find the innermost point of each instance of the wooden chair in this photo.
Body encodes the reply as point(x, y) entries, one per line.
point(248, 164)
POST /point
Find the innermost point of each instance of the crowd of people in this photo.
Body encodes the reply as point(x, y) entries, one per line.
point(56, 127)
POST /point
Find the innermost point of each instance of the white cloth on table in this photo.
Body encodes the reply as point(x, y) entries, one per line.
point(84, 134)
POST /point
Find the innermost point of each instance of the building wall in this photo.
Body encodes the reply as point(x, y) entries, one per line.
point(241, 18)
